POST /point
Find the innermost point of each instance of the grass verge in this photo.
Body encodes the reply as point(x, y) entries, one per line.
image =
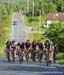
point(60, 58)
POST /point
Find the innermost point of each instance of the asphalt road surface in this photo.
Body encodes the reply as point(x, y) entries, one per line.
point(18, 27)
point(29, 68)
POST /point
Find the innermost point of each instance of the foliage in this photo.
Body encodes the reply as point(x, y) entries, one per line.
point(5, 25)
point(56, 34)
point(60, 58)
point(45, 6)
point(33, 36)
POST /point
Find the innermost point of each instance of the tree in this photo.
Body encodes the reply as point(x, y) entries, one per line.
point(52, 8)
point(56, 34)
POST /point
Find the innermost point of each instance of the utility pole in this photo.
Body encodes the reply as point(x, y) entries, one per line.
point(28, 6)
point(39, 21)
point(33, 9)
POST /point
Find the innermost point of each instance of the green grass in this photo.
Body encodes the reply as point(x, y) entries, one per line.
point(34, 21)
point(2, 53)
point(33, 36)
point(31, 21)
point(60, 58)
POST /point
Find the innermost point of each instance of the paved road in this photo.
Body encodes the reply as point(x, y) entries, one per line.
point(28, 69)
point(18, 28)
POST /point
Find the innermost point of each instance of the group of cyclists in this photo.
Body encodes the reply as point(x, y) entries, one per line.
point(35, 50)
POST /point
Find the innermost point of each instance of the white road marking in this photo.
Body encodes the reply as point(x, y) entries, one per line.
point(55, 72)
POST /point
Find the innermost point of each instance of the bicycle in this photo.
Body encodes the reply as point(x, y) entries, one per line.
point(47, 59)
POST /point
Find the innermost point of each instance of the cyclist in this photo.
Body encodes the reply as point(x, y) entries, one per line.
point(51, 52)
point(7, 50)
point(41, 47)
point(13, 48)
point(27, 50)
point(46, 51)
point(55, 52)
point(33, 53)
point(21, 52)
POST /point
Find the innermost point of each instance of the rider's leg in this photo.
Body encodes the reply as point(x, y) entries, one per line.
point(8, 56)
point(13, 55)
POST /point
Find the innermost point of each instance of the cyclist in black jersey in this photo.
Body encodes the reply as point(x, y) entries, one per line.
point(27, 50)
point(40, 54)
point(33, 53)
